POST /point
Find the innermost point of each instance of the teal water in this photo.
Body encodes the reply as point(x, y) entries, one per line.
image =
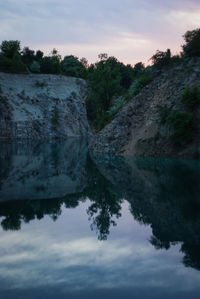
point(78, 225)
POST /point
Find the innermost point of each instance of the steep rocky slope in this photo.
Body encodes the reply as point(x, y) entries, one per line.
point(42, 106)
point(137, 129)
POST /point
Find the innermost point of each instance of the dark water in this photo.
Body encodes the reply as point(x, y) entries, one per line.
point(75, 225)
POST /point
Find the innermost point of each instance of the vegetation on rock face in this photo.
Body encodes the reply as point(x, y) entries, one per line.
point(163, 112)
point(191, 96)
point(139, 83)
point(182, 124)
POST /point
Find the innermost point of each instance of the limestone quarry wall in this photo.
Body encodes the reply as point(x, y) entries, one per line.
point(42, 106)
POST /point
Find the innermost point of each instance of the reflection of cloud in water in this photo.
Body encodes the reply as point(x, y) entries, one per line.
point(83, 262)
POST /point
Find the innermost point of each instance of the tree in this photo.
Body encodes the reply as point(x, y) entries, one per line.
point(10, 48)
point(161, 59)
point(138, 68)
point(38, 56)
point(28, 56)
point(192, 45)
point(105, 83)
point(84, 61)
point(50, 64)
point(126, 72)
point(71, 66)
point(103, 56)
point(10, 58)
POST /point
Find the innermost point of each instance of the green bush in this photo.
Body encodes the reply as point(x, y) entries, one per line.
point(139, 83)
point(163, 112)
point(191, 96)
point(182, 124)
point(119, 103)
point(35, 67)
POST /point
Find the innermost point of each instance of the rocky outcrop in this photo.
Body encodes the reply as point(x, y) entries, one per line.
point(137, 130)
point(42, 106)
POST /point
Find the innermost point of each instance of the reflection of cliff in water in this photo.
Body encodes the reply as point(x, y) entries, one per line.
point(47, 170)
point(162, 193)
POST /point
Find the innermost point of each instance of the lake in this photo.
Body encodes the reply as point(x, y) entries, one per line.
point(79, 225)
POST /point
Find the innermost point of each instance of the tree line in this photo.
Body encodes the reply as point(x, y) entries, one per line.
point(112, 83)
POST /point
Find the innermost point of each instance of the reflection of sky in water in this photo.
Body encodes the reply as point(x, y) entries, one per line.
point(64, 257)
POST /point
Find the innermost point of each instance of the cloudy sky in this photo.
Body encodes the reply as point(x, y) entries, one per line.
point(131, 30)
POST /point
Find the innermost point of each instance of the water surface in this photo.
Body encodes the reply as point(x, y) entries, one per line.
point(78, 225)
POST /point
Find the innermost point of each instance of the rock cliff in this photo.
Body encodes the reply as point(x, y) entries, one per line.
point(42, 106)
point(137, 129)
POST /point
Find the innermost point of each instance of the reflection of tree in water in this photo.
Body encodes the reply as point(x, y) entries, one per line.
point(16, 212)
point(191, 258)
point(172, 206)
point(106, 203)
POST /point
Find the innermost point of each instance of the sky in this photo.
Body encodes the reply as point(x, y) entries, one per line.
point(131, 30)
